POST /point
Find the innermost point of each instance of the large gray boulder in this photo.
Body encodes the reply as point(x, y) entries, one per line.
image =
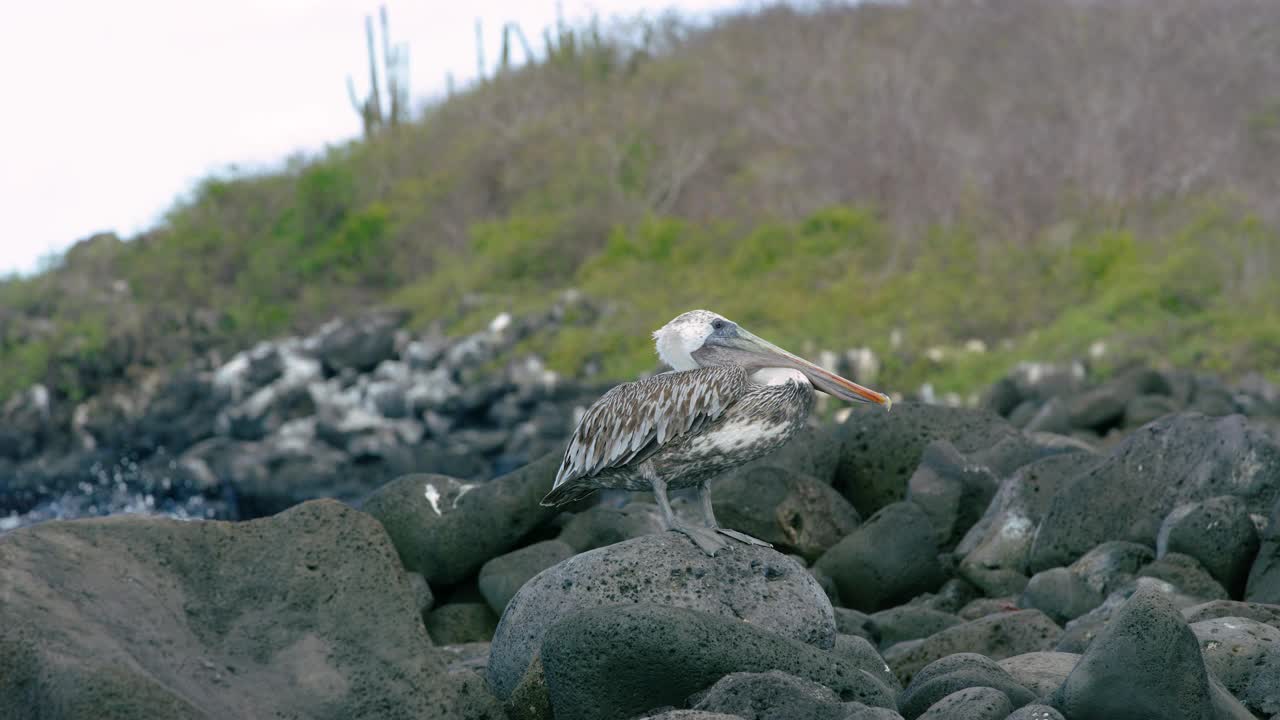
point(995, 549)
point(772, 695)
point(910, 622)
point(618, 662)
point(864, 656)
point(1060, 594)
point(1079, 633)
point(502, 577)
point(975, 703)
point(952, 490)
point(1244, 655)
point(446, 529)
point(796, 513)
point(1262, 612)
point(25, 423)
point(956, 672)
point(1217, 532)
point(461, 622)
point(1111, 565)
point(1186, 574)
point(997, 636)
point(890, 559)
point(1145, 663)
point(1264, 577)
point(1040, 672)
point(602, 525)
point(750, 584)
point(880, 451)
point(358, 343)
point(1179, 459)
point(305, 614)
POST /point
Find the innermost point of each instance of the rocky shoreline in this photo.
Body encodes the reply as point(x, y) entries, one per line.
point(333, 414)
point(360, 401)
point(1071, 549)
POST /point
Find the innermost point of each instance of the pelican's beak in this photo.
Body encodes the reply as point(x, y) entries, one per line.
point(743, 348)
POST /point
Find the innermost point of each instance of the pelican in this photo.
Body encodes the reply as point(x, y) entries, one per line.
point(731, 397)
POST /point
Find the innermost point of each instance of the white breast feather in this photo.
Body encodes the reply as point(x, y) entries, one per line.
point(732, 435)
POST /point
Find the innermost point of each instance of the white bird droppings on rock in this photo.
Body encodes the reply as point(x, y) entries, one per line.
point(1016, 526)
point(462, 490)
point(433, 497)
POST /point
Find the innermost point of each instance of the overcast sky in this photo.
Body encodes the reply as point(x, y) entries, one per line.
point(113, 109)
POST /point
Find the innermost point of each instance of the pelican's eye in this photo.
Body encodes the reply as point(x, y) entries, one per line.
point(718, 324)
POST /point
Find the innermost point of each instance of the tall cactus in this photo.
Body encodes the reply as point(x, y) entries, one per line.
point(395, 61)
point(508, 30)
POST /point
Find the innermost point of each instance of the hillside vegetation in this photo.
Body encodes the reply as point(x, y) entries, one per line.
point(1036, 174)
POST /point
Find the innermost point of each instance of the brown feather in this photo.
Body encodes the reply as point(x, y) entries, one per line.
point(634, 420)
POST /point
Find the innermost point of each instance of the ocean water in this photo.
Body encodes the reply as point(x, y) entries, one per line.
point(126, 488)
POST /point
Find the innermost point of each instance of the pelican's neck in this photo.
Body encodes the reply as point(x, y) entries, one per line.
point(778, 376)
point(676, 349)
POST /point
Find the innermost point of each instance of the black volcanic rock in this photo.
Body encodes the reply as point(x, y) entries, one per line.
point(864, 656)
point(795, 512)
point(25, 423)
point(1263, 613)
point(1147, 408)
point(1186, 574)
point(952, 490)
point(358, 343)
point(856, 622)
point(1181, 458)
point(975, 703)
point(996, 636)
point(1112, 564)
point(446, 529)
point(957, 672)
point(1080, 633)
point(602, 525)
point(1244, 655)
point(772, 695)
point(1217, 532)
point(887, 561)
point(305, 614)
point(1040, 672)
point(1061, 594)
point(1264, 577)
point(880, 451)
point(458, 623)
point(620, 661)
point(750, 584)
point(1099, 409)
point(1146, 663)
point(910, 622)
point(503, 576)
point(995, 550)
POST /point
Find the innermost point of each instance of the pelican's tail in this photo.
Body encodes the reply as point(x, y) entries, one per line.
point(569, 492)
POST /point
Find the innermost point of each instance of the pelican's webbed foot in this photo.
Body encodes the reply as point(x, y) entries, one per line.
point(743, 537)
point(705, 538)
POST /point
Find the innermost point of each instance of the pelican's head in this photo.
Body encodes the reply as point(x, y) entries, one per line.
point(701, 338)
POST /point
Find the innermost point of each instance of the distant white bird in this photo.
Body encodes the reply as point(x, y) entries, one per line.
point(731, 398)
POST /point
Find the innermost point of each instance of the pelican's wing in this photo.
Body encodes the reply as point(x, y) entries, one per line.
point(631, 421)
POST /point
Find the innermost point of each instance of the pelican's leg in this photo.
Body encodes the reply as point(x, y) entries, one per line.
point(705, 538)
point(709, 515)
